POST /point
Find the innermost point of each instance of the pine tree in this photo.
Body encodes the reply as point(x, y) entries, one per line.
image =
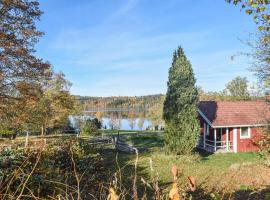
point(180, 106)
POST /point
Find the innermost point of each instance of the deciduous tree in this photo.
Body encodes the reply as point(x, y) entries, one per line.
point(90, 127)
point(18, 36)
point(141, 122)
point(20, 70)
point(260, 53)
point(56, 103)
point(155, 113)
point(131, 119)
point(261, 44)
point(113, 123)
point(238, 88)
point(259, 9)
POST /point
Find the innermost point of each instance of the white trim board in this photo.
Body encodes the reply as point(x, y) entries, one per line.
point(235, 140)
point(205, 118)
point(235, 126)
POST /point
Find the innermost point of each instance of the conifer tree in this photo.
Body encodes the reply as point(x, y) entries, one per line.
point(180, 106)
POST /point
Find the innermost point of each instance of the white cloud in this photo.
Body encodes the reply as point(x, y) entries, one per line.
point(126, 8)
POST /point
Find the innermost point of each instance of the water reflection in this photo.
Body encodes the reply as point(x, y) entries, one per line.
point(116, 120)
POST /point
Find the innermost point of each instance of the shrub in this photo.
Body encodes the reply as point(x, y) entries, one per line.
point(90, 127)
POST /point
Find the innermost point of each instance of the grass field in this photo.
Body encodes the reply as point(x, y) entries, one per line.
point(227, 172)
point(238, 174)
point(212, 171)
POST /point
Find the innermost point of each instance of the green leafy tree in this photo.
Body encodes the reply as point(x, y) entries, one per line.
point(259, 9)
point(132, 119)
point(238, 88)
point(113, 122)
point(141, 122)
point(260, 46)
point(155, 112)
point(180, 106)
point(97, 123)
point(55, 104)
point(261, 59)
point(20, 70)
point(90, 127)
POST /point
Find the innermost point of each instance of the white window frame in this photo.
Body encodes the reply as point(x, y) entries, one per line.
point(245, 137)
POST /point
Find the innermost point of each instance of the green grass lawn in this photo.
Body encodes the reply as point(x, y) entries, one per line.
point(227, 172)
point(124, 132)
point(224, 171)
point(146, 140)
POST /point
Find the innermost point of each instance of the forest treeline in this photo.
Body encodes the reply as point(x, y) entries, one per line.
point(124, 102)
point(151, 106)
point(238, 89)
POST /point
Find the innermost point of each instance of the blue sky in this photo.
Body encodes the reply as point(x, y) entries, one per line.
point(124, 47)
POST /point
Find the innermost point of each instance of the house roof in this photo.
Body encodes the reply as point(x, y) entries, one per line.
point(234, 113)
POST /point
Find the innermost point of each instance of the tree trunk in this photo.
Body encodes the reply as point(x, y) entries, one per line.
point(26, 140)
point(42, 130)
point(45, 132)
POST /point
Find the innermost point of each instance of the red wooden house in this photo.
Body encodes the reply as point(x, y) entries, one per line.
point(232, 126)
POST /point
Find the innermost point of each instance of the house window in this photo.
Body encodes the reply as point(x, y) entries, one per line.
point(244, 132)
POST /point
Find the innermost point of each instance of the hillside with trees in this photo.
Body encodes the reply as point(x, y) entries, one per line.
point(238, 89)
point(121, 102)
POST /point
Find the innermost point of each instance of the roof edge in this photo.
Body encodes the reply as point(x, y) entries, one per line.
point(229, 126)
point(244, 125)
point(205, 118)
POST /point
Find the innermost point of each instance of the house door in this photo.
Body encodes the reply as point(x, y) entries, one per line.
point(235, 140)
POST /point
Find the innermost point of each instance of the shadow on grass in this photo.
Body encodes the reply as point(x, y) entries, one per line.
point(203, 154)
point(121, 170)
point(126, 163)
point(252, 194)
point(202, 194)
point(146, 141)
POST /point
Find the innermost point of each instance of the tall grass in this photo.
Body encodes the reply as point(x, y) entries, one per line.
point(72, 169)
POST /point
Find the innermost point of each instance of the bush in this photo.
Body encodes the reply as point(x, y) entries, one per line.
point(97, 123)
point(55, 174)
point(91, 127)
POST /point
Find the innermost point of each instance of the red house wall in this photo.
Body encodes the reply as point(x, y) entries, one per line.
point(248, 145)
point(243, 145)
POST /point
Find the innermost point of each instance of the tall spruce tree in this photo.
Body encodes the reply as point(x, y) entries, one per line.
point(180, 106)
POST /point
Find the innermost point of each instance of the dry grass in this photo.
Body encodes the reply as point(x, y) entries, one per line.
point(84, 172)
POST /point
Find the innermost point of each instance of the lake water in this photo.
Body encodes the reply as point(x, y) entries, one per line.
point(116, 123)
point(128, 124)
point(120, 119)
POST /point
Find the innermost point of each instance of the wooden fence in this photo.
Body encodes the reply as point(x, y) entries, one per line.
point(116, 141)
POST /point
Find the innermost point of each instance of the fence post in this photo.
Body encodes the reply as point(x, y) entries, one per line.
point(215, 139)
point(204, 134)
point(227, 139)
